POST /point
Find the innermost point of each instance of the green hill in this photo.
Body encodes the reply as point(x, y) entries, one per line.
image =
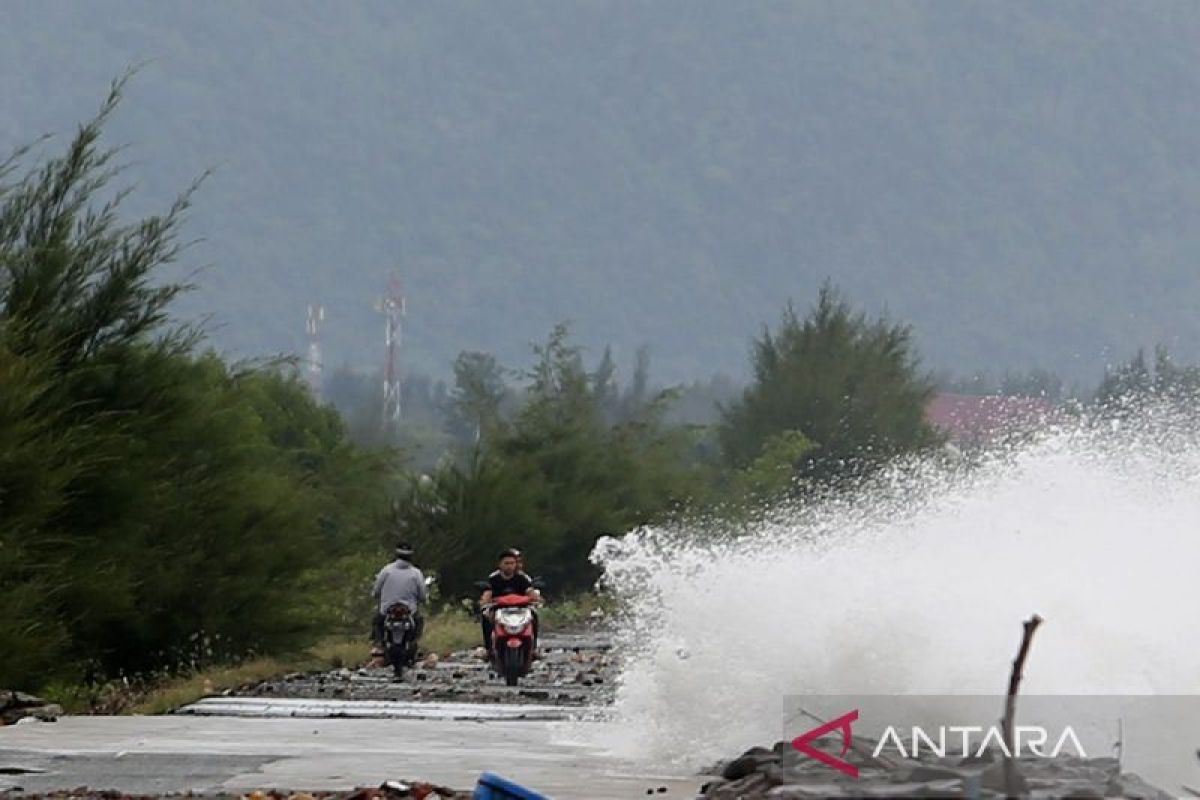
point(1019, 180)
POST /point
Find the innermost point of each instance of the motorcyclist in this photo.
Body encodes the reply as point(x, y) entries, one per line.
point(399, 582)
point(508, 579)
point(537, 594)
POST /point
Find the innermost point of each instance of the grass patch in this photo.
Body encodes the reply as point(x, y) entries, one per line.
point(451, 630)
point(333, 652)
point(445, 632)
point(573, 612)
point(337, 652)
point(180, 691)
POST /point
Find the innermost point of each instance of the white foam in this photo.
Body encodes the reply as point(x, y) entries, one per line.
point(918, 584)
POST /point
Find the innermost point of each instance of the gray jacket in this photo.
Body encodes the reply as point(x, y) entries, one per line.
point(400, 582)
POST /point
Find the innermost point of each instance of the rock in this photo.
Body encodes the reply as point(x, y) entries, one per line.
point(1130, 785)
point(17, 707)
point(925, 773)
point(11, 699)
point(810, 791)
point(936, 788)
point(993, 778)
point(47, 713)
point(753, 785)
point(759, 774)
point(753, 760)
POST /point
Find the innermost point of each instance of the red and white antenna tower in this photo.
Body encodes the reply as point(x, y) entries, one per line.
point(392, 306)
point(316, 315)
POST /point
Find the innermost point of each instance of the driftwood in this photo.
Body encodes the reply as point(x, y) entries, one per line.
point(1010, 707)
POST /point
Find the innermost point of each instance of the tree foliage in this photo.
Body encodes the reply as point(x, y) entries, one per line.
point(476, 399)
point(1132, 384)
point(851, 386)
point(158, 507)
point(577, 459)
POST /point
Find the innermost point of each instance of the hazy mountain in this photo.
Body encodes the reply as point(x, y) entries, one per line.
point(1019, 180)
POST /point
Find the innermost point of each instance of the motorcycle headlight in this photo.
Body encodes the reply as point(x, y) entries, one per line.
point(514, 620)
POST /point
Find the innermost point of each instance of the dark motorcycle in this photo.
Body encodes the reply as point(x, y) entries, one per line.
point(400, 638)
point(401, 635)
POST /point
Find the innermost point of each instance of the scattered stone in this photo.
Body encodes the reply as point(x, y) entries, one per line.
point(753, 760)
point(574, 670)
point(925, 773)
point(391, 790)
point(782, 773)
point(19, 706)
point(993, 777)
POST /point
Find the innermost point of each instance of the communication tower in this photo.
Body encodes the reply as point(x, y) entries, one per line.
point(392, 306)
point(316, 316)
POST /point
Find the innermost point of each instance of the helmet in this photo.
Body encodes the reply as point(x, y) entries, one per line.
point(404, 550)
point(510, 552)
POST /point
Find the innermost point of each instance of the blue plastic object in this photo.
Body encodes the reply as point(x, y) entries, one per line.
point(493, 787)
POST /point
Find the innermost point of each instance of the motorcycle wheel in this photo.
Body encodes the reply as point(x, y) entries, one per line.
point(513, 662)
point(397, 657)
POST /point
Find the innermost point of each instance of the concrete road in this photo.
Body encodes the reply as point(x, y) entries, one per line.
point(213, 754)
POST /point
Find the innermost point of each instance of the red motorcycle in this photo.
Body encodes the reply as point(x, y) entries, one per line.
point(514, 640)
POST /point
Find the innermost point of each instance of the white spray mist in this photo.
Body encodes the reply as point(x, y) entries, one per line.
point(918, 585)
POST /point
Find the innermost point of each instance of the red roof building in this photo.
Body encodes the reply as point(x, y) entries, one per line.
point(981, 418)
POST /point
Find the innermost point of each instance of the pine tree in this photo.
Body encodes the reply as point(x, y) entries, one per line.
point(851, 386)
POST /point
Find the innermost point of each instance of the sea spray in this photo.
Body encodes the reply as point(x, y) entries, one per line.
point(917, 584)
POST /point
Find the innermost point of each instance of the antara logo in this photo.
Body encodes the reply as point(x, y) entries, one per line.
point(1026, 739)
point(1031, 739)
point(842, 723)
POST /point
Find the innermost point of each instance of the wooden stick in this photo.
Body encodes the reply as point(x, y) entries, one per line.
point(1010, 705)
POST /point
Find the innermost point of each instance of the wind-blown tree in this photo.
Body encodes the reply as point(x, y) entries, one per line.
point(157, 508)
point(40, 458)
point(851, 386)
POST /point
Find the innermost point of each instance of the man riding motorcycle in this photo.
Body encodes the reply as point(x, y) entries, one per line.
point(508, 579)
point(399, 582)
